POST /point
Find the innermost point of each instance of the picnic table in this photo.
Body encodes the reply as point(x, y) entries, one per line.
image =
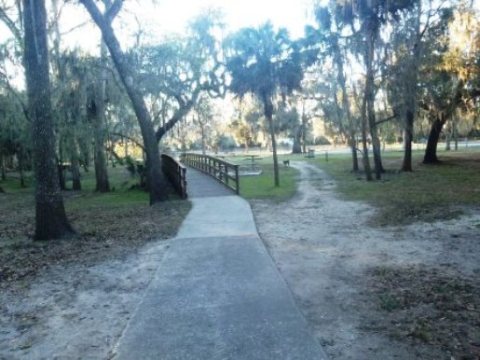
point(252, 159)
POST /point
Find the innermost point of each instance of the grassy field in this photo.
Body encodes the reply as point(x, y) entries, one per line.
point(262, 186)
point(429, 193)
point(107, 225)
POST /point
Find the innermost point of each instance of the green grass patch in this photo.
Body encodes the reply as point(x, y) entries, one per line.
point(12, 183)
point(262, 186)
point(429, 193)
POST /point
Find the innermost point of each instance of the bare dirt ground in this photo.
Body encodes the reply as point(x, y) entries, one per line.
point(409, 292)
point(72, 298)
point(76, 311)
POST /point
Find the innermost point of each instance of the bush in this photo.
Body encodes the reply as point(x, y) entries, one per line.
point(226, 142)
point(322, 140)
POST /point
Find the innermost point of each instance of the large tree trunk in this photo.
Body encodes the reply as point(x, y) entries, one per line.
point(84, 153)
point(376, 146)
point(370, 99)
point(155, 178)
point(297, 147)
point(304, 131)
point(51, 220)
point(75, 168)
point(448, 138)
point(455, 132)
point(346, 105)
point(430, 156)
point(268, 110)
point(408, 138)
point(21, 168)
point(3, 169)
point(366, 160)
point(411, 93)
point(353, 148)
point(204, 146)
point(98, 119)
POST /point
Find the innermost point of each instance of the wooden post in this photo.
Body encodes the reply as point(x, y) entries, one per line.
point(184, 182)
point(237, 180)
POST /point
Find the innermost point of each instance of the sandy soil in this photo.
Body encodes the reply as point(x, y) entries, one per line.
point(326, 251)
point(76, 311)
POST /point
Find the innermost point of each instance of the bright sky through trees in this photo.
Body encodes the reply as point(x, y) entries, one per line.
point(173, 14)
point(157, 18)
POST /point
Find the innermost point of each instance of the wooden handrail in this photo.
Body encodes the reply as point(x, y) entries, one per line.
point(176, 173)
point(223, 171)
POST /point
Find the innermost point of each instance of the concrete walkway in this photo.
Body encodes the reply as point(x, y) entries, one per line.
point(217, 293)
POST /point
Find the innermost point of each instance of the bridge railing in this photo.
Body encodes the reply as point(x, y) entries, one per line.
point(223, 171)
point(176, 174)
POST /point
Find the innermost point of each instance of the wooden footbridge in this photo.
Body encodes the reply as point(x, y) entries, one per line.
point(199, 170)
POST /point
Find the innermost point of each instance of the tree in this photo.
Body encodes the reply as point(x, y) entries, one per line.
point(366, 17)
point(204, 120)
point(177, 73)
point(334, 44)
point(451, 74)
point(414, 39)
point(287, 119)
point(155, 178)
point(50, 218)
point(266, 63)
point(96, 111)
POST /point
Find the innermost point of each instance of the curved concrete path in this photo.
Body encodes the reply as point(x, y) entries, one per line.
point(217, 293)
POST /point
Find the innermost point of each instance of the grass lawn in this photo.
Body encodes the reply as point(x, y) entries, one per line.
point(262, 186)
point(430, 192)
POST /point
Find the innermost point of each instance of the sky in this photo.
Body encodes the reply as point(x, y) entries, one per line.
point(173, 14)
point(162, 17)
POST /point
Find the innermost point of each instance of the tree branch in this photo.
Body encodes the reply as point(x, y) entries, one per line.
point(11, 26)
point(386, 119)
point(113, 10)
point(179, 115)
point(129, 138)
point(17, 96)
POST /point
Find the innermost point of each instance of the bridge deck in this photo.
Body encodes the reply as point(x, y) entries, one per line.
point(202, 185)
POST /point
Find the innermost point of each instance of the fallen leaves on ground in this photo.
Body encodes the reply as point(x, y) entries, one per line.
point(103, 231)
point(435, 306)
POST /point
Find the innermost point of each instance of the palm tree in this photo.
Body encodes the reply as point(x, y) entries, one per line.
point(266, 63)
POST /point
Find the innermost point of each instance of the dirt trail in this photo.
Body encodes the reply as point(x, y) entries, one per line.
point(324, 249)
point(76, 311)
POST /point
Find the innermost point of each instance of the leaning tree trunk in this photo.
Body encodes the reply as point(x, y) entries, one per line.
point(268, 109)
point(50, 218)
point(430, 156)
point(155, 178)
